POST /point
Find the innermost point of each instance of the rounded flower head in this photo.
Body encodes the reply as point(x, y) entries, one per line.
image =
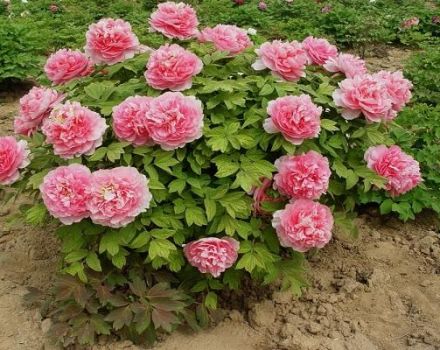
point(175, 120)
point(172, 67)
point(347, 64)
point(319, 50)
point(65, 192)
point(110, 41)
point(65, 65)
point(227, 38)
point(410, 22)
point(117, 196)
point(74, 130)
point(130, 120)
point(305, 176)
point(286, 60)
point(303, 225)
point(295, 117)
point(400, 169)
point(364, 94)
point(212, 255)
point(14, 155)
point(399, 88)
point(175, 20)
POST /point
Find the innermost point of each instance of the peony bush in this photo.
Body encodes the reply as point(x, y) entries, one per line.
point(178, 172)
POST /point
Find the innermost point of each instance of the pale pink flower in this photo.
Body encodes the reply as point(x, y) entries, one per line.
point(286, 60)
point(73, 130)
point(410, 22)
point(400, 169)
point(175, 120)
point(227, 38)
point(175, 20)
point(262, 6)
point(65, 65)
point(117, 196)
point(319, 49)
point(303, 225)
point(172, 67)
point(399, 88)
point(110, 41)
point(304, 176)
point(347, 64)
point(14, 155)
point(130, 120)
point(65, 192)
point(295, 117)
point(212, 255)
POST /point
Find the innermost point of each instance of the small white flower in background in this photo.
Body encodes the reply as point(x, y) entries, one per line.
point(252, 31)
point(240, 73)
point(372, 0)
point(327, 110)
point(25, 13)
point(24, 1)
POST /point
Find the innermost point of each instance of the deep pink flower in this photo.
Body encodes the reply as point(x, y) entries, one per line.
point(175, 20)
point(65, 192)
point(65, 65)
point(319, 50)
point(303, 225)
point(175, 120)
point(227, 38)
point(295, 117)
point(14, 155)
point(284, 59)
point(347, 64)
point(110, 41)
point(172, 67)
point(239, 2)
point(212, 255)
point(130, 120)
point(410, 22)
point(400, 169)
point(118, 195)
point(304, 176)
point(73, 130)
point(399, 88)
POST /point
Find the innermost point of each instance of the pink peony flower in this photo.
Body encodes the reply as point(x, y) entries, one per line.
point(110, 41)
point(53, 8)
point(65, 192)
point(130, 120)
point(262, 6)
point(65, 65)
point(286, 60)
point(35, 106)
point(346, 63)
point(226, 37)
point(400, 169)
point(74, 130)
point(295, 117)
point(366, 94)
point(305, 176)
point(175, 20)
point(172, 67)
point(239, 2)
point(303, 225)
point(326, 9)
point(399, 88)
point(14, 155)
point(175, 120)
point(260, 196)
point(212, 255)
point(319, 50)
point(117, 196)
point(410, 22)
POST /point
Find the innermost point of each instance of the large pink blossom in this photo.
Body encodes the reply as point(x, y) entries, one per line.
point(130, 120)
point(295, 117)
point(73, 130)
point(399, 88)
point(400, 169)
point(227, 38)
point(303, 225)
point(65, 65)
point(303, 176)
point(175, 20)
point(366, 94)
point(14, 155)
point(172, 67)
point(319, 49)
point(175, 120)
point(212, 255)
point(35, 106)
point(117, 196)
point(110, 41)
point(347, 64)
point(65, 192)
point(284, 59)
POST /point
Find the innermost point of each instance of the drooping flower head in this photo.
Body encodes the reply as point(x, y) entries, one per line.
point(227, 38)
point(14, 155)
point(347, 64)
point(319, 49)
point(399, 88)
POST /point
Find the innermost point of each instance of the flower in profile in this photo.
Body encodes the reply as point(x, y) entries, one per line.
point(14, 155)
point(347, 64)
point(227, 38)
point(260, 196)
point(319, 49)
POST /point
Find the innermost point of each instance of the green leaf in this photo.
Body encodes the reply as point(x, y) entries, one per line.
point(329, 125)
point(120, 317)
point(386, 206)
point(36, 180)
point(99, 154)
point(93, 262)
point(110, 243)
point(76, 255)
point(211, 208)
point(160, 248)
point(195, 215)
point(36, 215)
point(100, 90)
point(211, 301)
point(141, 240)
point(115, 150)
